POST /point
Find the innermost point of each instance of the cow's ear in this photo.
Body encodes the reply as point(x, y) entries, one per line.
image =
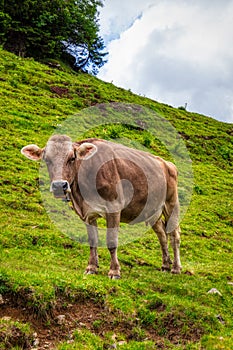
point(32, 152)
point(85, 151)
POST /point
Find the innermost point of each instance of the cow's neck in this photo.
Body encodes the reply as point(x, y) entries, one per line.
point(77, 199)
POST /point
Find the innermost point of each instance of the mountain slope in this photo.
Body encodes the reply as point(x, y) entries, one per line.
point(41, 269)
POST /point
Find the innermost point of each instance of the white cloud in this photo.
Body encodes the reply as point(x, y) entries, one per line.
point(117, 16)
point(174, 52)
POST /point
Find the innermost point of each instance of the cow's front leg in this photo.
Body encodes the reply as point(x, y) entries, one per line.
point(113, 221)
point(93, 242)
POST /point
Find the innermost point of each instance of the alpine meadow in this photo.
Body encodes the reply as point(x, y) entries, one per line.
point(46, 300)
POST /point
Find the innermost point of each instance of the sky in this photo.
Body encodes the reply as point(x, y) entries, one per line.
point(176, 52)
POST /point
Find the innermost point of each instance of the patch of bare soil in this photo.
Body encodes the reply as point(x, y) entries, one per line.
point(67, 316)
point(59, 325)
point(60, 91)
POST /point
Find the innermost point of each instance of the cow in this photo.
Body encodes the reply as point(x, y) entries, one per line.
point(121, 184)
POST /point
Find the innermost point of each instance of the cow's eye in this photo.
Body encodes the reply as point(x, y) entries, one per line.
point(72, 159)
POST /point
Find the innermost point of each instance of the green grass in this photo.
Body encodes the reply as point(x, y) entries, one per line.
point(39, 262)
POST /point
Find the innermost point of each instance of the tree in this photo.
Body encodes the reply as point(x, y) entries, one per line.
point(53, 28)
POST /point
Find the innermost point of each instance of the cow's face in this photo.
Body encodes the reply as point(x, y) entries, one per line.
point(60, 155)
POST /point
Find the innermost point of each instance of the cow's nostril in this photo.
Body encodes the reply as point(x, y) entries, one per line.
point(59, 188)
point(65, 186)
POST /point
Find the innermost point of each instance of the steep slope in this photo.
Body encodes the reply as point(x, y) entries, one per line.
point(41, 269)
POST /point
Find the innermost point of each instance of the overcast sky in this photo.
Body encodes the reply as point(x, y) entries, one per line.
point(173, 51)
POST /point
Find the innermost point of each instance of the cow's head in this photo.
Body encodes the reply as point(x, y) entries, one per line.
point(60, 155)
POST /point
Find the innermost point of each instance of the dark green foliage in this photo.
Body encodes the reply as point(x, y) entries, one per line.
point(53, 29)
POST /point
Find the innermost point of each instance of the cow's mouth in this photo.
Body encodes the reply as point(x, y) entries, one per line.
point(60, 189)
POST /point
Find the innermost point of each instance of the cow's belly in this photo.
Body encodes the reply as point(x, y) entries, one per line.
point(148, 211)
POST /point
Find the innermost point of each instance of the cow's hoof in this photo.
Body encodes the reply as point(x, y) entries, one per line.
point(91, 270)
point(176, 270)
point(116, 277)
point(166, 268)
point(114, 274)
point(90, 273)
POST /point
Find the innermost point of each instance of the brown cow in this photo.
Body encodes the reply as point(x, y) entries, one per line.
point(106, 179)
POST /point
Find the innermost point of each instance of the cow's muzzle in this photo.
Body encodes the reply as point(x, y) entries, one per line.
point(60, 188)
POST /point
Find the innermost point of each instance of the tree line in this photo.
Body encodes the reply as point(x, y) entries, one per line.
point(64, 29)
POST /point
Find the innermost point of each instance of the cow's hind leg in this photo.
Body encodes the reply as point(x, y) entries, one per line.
point(172, 227)
point(93, 242)
point(159, 229)
point(175, 242)
point(113, 221)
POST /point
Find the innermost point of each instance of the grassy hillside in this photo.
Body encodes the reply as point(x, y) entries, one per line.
point(41, 269)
